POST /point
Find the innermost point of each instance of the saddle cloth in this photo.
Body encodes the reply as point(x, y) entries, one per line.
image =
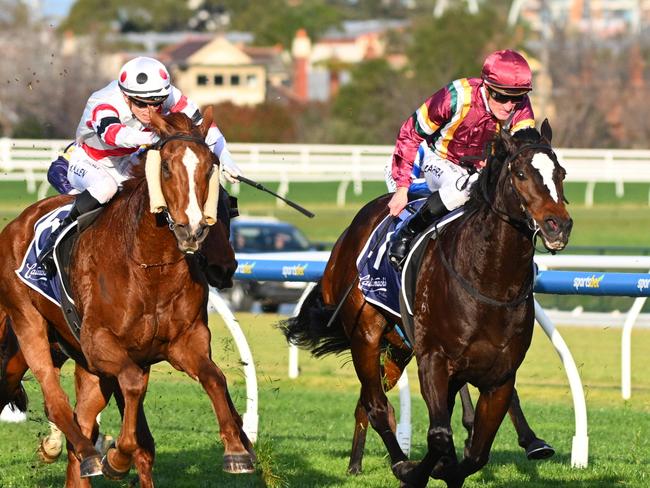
point(380, 283)
point(30, 272)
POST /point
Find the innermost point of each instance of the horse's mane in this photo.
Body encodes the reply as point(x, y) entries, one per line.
point(486, 184)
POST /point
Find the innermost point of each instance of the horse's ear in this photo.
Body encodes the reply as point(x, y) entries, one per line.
point(159, 124)
point(208, 118)
point(546, 131)
point(508, 141)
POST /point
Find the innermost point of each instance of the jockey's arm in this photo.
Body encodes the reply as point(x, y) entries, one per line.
point(214, 137)
point(109, 128)
point(217, 142)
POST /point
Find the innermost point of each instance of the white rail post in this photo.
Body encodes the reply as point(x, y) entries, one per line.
point(404, 425)
point(250, 417)
point(626, 347)
point(580, 446)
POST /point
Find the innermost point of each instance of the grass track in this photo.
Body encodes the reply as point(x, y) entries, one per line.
point(306, 424)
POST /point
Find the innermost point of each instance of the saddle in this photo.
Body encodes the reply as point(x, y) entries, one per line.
point(56, 288)
point(380, 283)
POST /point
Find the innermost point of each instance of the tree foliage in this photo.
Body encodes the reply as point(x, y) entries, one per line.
point(455, 45)
point(97, 16)
point(276, 21)
point(267, 122)
point(371, 108)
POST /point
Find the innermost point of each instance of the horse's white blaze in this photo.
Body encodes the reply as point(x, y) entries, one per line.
point(543, 163)
point(193, 210)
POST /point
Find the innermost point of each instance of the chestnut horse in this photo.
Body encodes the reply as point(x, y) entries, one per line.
point(143, 299)
point(473, 306)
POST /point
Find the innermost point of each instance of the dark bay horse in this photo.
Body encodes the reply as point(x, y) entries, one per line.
point(142, 300)
point(473, 307)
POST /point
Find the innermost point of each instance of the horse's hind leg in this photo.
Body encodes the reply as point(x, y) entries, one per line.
point(191, 353)
point(51, 446)
point(391, 371)
point(30, 329)
point(365, 348)
point(535, 447)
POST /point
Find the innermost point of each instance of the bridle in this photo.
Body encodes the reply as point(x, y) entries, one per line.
point(527, 226)
point(158, 147)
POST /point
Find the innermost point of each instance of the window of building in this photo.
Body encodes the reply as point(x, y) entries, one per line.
point(218, 80)
point(251, 80)
point(201, 80)
point(234, 80)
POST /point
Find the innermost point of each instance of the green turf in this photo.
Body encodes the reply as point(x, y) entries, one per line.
point(306, 424)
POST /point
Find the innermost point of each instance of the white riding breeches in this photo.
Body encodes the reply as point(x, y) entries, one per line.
point(445, 177)
point(450, 180)
point(101, 178)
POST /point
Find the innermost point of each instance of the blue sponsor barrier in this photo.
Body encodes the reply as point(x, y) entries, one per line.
point(280, 268)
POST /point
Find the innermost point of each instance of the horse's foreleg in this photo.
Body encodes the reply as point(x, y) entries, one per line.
point(92, 396)
point(535, 447)
point(30, 329)
point(468, 412)
point(441, 454)
point(491, 407)
point(191, 353)
point(145, 453)
point(112, 360)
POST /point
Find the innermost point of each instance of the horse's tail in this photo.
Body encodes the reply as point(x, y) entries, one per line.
point(8, 349)
point(309, 329)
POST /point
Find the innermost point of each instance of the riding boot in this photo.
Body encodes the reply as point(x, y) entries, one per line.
point(400, 241)
point(83, 203)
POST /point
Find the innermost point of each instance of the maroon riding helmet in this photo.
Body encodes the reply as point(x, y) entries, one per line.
point(507, 72)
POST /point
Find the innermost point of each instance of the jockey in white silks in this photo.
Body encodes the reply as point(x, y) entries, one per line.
point(113, 128)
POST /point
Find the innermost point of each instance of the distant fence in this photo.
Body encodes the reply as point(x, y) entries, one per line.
point(28, 160)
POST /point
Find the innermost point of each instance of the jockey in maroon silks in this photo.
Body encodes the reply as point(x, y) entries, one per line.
point(456, 122)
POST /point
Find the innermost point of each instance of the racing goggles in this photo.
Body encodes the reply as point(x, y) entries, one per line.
point(149, 102)
point(503, 98)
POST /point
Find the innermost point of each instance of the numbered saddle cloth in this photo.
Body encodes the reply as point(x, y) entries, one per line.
point(380, 283)
point(30, 272)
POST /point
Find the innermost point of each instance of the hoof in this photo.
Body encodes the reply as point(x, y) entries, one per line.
point(354, 470)
point(48, 455)
point(110, 472)
point(402, 469)
point(91, 466)
point(238, 463)
point(104, 443)
point(539, 449)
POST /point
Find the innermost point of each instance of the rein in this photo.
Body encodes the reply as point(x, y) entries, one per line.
point(525, 226)
point(178, 137)
point(473, 291)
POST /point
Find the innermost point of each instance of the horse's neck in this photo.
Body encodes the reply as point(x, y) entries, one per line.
point(149, 243)
point(500, 250)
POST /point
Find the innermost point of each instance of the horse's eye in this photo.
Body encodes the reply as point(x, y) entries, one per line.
point(520, 174)
point(165, 169)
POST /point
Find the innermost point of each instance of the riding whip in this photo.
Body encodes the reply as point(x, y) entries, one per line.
point(259, 186)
